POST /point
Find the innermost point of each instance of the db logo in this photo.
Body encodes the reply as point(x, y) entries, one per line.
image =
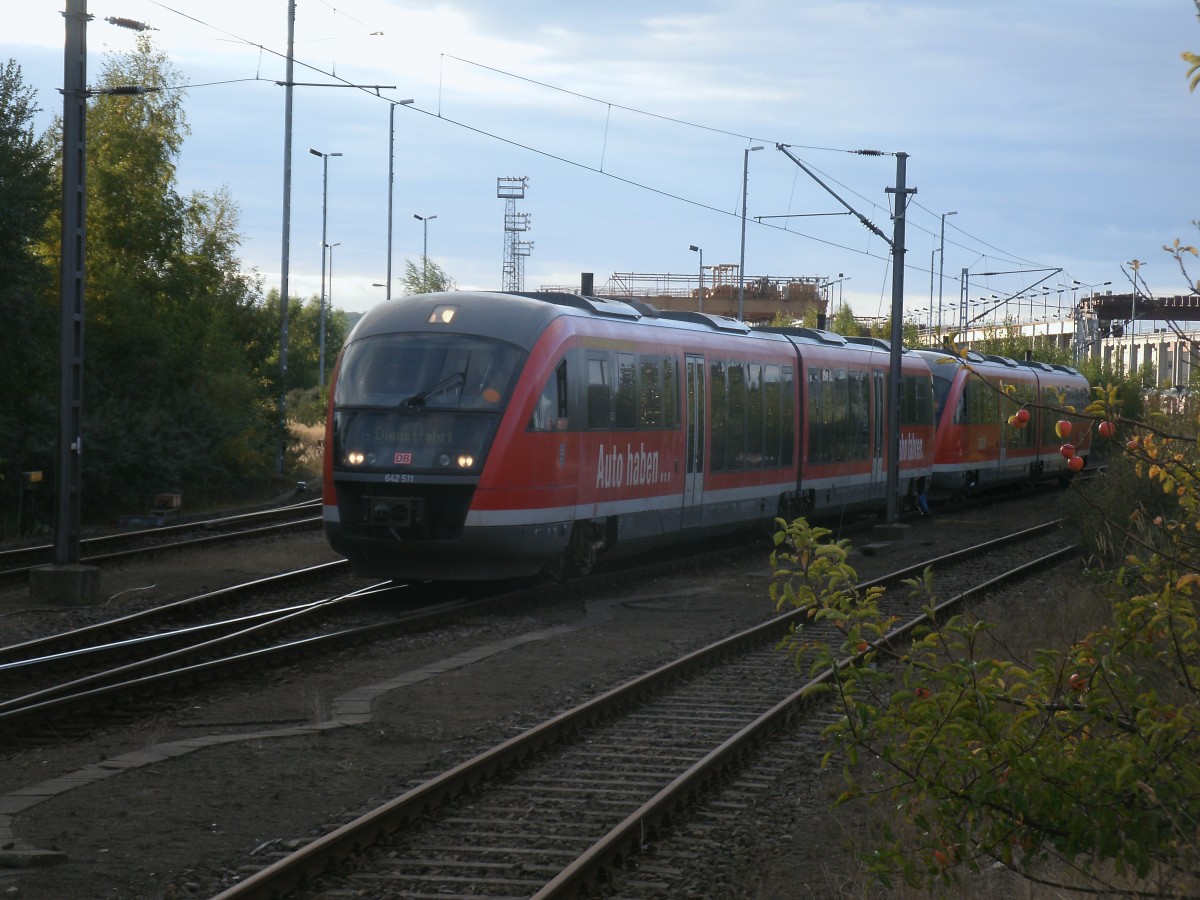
point(402, 459)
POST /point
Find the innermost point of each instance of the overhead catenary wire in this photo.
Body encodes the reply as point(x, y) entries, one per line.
point(439, 114)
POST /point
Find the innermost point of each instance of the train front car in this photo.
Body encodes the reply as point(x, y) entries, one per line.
point(1064, 395)
point(983, 438)
point(417, 398)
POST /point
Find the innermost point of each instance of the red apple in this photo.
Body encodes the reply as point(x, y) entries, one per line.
point(1107, 429)
point(1022, 415)
point(1133, 444)
point(1075, 463)
point(1062, 428)
point(1067, 450)
point(1078, 682)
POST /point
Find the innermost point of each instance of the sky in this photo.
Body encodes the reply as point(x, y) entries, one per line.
point(1054, 142)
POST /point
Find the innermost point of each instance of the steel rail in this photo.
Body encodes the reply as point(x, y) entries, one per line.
point(296, 869)
point(45, 645)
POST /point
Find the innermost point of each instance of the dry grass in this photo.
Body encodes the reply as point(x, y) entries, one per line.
point(1054, 614)
point(307, 446)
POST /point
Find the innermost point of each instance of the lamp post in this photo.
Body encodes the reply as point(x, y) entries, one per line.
point(324, 244)
point(742, 258)
point(391, 178)
point(700, 296)
point(942, 267)
point(1135, 265)
point(929, 327)
point(424, 220)
point(330, 248)
point(841, 280)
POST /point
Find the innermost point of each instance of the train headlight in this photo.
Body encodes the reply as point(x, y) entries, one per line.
point(465, 461)
point(355, 458)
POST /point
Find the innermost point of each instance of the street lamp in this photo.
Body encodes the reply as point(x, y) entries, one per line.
point(700, 250)
point(942, 267)
point(841, 280)
point(425, 220)
point(391, 178)
point(324, 244)
point(742, 260)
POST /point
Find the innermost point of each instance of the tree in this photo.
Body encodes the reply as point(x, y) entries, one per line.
point(844, 322)
point(27, 299)
point(176, 393)
point(1087, 755)
point(427, 278)
point(304, 340)
point(1007, 340)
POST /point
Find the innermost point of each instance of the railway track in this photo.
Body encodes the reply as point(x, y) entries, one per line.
point(556, 810)
point(15, 564)
point(105, 674)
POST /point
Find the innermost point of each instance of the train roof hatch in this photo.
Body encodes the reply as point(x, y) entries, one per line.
point(598, 305)
point(720, 323)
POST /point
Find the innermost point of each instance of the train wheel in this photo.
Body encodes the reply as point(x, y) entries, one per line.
point(587, 540)
point(556, 569)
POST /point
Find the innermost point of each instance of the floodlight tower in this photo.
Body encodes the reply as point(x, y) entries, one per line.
point(510, 190)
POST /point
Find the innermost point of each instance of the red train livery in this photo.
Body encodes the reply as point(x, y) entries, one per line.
point(977, 447)
point(476, 435)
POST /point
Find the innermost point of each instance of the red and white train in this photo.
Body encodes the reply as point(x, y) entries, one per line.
point(476, 435)
point(976, 447)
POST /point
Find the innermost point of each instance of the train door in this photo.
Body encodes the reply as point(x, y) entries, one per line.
point(878, 431)
point(694, 423)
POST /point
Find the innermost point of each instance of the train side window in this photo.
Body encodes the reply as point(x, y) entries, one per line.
point(916, 401)
point(599, 393)
point(626, 392)
point(787, 410)
point(772, 417)
point(670, 393)
point(735, 438)
point(755, 417)
point(839, 416)
point(859, 421)
point(816, 409)
point(564, 406)
point(651, 394)
point(720, 416)
point(982, 402)
point(550, 413)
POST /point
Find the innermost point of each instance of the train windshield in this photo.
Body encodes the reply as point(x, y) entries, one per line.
point(424, 371)
point(419, 402)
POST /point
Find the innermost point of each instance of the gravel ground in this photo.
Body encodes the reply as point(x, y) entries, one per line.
point(179, 804)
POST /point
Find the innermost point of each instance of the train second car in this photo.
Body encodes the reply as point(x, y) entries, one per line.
point(477, 435)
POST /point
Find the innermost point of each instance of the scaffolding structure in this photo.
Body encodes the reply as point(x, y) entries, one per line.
point(510, 190)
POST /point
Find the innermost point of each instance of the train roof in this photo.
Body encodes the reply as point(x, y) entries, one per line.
point(519, 317)
point(991, 361)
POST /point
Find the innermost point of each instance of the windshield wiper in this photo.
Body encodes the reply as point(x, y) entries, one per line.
point(418, 399)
